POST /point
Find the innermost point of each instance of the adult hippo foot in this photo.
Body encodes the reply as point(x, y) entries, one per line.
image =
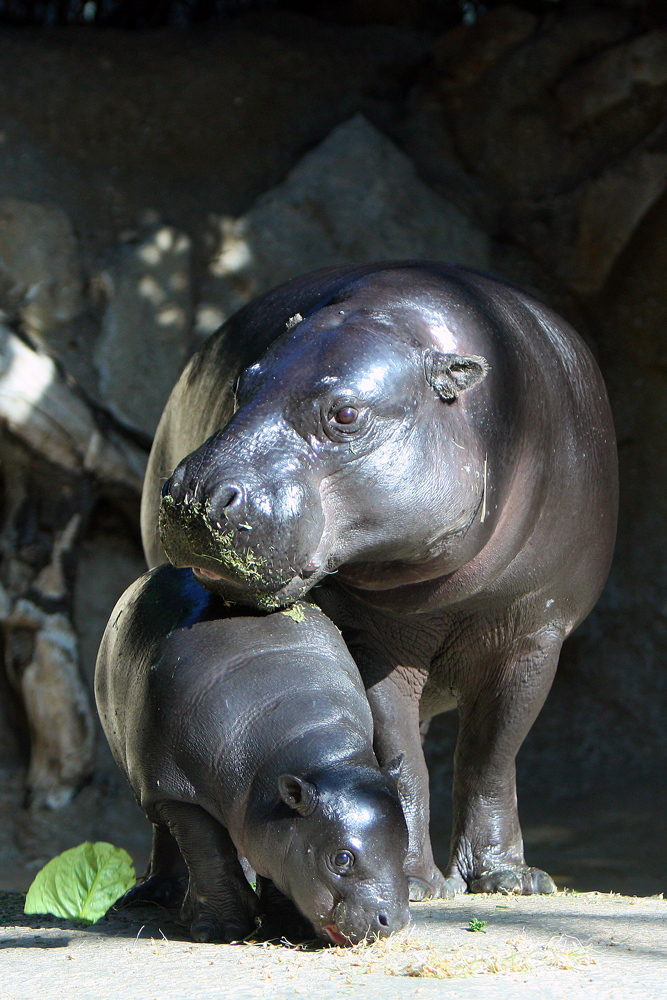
point(430, 885)
point(518, 880)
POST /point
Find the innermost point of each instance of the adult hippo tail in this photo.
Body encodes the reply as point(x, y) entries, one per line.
point(242, 731)
point(435, 450)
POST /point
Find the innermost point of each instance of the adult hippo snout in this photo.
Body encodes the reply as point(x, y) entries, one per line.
point(239, 526)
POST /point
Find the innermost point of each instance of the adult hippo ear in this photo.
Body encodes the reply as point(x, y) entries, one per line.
point(392, 770)
point(450, 374)
point(300, 795)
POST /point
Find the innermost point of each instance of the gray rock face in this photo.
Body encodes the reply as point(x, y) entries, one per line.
point(146, 328)
point(565, 120)
point(549, 129)
point(40, 276)
point(604, 82)
point(354, 198)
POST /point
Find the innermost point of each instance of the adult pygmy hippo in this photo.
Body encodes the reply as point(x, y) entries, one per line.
point(442, 443)
point(248, 732)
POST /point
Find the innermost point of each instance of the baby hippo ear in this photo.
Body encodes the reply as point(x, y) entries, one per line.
point(450, 374)
point(299, 795)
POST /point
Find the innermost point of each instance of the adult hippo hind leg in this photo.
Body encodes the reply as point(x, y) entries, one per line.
point(496, 712)
point(219, 904)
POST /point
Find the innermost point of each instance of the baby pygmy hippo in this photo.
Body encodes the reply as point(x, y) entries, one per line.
point(246, 733)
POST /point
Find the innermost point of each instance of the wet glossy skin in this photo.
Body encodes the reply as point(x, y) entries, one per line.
point(251, 733)
point(326, 507)
point(456, 526)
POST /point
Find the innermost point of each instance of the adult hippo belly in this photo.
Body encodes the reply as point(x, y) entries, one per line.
point(434, 451)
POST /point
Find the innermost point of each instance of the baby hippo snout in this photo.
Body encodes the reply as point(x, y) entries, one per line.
point(376, 919)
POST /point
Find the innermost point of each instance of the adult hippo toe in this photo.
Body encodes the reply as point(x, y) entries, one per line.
point(248, 732)
point(434, 449)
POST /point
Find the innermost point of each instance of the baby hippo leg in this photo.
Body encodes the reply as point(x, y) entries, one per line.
point(219, 904)
point(166, 880)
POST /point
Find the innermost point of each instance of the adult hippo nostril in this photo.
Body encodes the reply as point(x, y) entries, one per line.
point(251, 534)
point(174, 487)
point(227, 502)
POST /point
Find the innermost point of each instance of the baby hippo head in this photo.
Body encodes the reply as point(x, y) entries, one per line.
point(345, 854)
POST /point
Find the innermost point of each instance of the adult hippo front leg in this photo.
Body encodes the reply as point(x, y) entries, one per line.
point(495, 715)
point(394, 700)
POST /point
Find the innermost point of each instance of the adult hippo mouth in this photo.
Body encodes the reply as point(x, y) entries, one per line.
point(230, 558)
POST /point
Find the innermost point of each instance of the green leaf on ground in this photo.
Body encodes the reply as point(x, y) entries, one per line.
point(82, 883)
point(477, 925)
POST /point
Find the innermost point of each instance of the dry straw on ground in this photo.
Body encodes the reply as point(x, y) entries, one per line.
point(406, 954)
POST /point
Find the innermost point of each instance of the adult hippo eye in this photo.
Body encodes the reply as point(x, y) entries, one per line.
point(341, 419)
point(343, 862)
point(346, 415)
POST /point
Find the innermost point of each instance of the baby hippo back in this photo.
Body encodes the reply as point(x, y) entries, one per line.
point(194, 704)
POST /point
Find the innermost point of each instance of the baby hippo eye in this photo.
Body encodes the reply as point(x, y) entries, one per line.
point(343, 862)
point(346, 415)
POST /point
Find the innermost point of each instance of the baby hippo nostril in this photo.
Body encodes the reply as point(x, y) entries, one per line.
point(382, 919)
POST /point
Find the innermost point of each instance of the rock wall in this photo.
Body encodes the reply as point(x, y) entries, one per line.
point(150, 184)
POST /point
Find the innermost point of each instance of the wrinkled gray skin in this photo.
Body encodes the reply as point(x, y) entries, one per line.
point(251, 733)
point(443, 444)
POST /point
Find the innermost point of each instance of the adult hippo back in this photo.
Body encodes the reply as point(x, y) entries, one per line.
point(434, 449)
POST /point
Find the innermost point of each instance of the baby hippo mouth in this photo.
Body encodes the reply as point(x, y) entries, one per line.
point(334, 935)
point(352, 924)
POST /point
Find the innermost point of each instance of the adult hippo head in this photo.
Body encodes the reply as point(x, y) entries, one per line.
point(327, 461)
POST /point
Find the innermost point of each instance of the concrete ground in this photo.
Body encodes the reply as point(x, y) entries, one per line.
point(580, 944)
point(566, 946)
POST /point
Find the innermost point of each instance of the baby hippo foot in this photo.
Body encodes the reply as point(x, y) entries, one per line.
point(518, 879)
point(425, 883)
point(224, 919)
point(165, 890)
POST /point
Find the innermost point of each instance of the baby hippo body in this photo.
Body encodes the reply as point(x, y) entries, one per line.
point(248, 733)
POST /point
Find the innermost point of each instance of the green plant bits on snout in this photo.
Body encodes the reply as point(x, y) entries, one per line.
point(295, 612)
point(82, 883)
